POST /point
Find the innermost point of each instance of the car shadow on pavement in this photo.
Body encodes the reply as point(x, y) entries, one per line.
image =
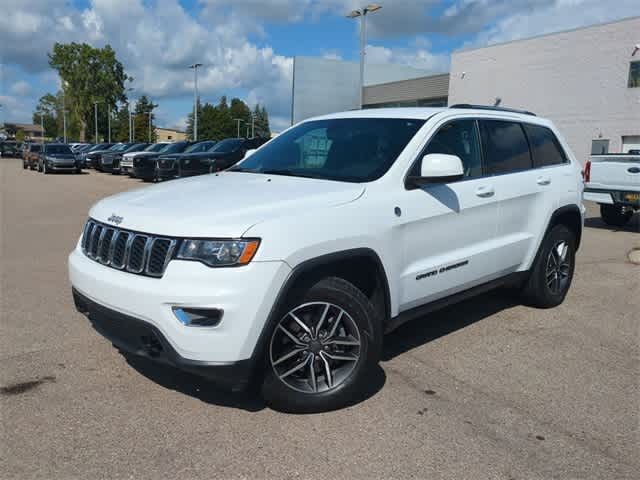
point(194, 386)
point(443, 322)
point(209, 392)
point(596, 222)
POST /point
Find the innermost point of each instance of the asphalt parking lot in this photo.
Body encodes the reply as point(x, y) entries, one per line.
point(482, 390)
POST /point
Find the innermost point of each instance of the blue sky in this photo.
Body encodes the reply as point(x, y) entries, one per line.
point(247, 46)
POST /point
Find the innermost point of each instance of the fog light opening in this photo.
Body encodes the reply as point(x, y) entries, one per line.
point(198, 317)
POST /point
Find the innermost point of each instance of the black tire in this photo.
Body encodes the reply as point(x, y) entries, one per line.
point(615, 215)
point(361, 315)
point(542, 289)
point(44, 168)
point(24, 165)
point(78, 171)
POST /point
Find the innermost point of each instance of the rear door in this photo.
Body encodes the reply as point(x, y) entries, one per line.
point(527, 190)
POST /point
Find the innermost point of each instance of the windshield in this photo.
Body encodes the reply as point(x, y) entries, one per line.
point(199, 147)
point(100, 146)
point(58, 150)
point(344, 149)
point(118, 147)
point(156, 147)
point(137, 148)
point(174, 148)
point(35, 147)
point(228, 145)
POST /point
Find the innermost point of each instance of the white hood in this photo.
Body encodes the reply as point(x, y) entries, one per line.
point(221, 205)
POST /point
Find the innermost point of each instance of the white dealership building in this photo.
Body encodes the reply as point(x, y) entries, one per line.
point(586, 80)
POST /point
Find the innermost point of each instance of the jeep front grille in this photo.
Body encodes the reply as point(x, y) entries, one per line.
point(126, 250)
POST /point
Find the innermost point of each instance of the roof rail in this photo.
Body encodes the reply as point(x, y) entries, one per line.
point(489, 107)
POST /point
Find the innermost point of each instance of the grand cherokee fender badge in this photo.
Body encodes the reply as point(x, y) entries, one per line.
point(115, 219)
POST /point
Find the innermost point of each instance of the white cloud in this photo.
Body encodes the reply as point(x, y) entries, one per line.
point(413, 57)
point(20, 88)
point(158, 39)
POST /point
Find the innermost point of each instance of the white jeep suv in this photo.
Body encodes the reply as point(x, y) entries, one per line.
point(286, 270)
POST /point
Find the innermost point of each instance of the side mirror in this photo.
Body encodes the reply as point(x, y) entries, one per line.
point(438, 168)
point(248, 153)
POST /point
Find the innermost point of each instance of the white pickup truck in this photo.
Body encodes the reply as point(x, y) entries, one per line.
point(613, 181)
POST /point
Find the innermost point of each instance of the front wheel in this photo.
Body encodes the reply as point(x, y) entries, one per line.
point(552, 271)
point(322, 349)
point(615, 215)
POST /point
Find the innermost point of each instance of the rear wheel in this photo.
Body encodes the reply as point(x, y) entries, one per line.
point(552, 272)
point(322, 349)
point(615, 215)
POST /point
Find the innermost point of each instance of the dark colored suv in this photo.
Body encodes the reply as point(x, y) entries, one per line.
point(210, 158)
point(145, 167)
point(110, 162)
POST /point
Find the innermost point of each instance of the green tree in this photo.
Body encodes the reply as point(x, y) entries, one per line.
point(239, 111)
point(120, 124)
point(46, 114)
point(20, 136)
point(89, 75)
point(143, 114)
point(261, 119)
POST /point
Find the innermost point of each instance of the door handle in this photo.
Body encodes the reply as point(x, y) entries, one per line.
point(485, 192)
point(543, 181)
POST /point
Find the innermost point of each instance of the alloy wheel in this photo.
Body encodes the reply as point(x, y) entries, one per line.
point(558, 268)
point(315, 347)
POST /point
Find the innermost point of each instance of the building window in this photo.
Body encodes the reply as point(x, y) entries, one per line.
point(169, 137)
point(634, 74)
point(599, 147)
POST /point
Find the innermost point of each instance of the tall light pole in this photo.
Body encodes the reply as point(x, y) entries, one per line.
point(195, 99)
point(253, 125)
point(362, 14)
point(64, 115)
point(109, 121)
point(42, 126)
point(130, 89)
point(239, 120)
point(149, 125)
point(95, 118)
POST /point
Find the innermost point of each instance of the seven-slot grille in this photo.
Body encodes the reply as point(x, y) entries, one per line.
point(125, 250)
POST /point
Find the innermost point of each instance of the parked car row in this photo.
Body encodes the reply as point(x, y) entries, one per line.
point(149, 162)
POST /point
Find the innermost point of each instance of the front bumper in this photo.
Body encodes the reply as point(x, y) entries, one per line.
point(59, 167)
point(141, 338)
point(245, 295)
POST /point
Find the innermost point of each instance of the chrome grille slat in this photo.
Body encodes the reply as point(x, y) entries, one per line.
point(137, 253)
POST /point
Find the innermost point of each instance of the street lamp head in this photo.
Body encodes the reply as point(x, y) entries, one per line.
point(354, 14)
point(372, 7)
point(195, 65)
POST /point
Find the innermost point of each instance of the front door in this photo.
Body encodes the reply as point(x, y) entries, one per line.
point(448, 231)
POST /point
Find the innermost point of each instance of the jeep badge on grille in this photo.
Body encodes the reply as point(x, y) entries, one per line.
point(115, 219)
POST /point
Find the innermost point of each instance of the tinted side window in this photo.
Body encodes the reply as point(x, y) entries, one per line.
point(458, 138)
point(545, 148)
point(505, 147)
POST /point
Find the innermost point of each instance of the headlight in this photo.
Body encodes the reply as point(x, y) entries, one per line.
point(219, 253)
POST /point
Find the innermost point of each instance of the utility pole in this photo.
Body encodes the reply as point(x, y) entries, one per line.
point(149, 126)
point(64, 116)
point(42, 127)
point(362, 14)
point(95, 118)
point(195, 100)
point(239, 120)
point(109, 121)
point(253, 125)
